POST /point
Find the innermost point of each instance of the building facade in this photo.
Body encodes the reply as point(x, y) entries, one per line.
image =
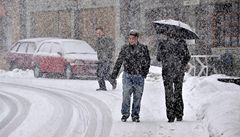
point(66, 19)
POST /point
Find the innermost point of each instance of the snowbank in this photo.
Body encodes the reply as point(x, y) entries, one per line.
point(17, 73)
point(216, 103)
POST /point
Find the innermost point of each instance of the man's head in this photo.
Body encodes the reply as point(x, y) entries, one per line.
point(99, 32)
point(133, 37)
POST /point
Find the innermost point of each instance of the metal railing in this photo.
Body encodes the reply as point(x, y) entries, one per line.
point(201, 64)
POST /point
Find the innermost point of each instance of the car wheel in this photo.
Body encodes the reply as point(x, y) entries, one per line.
point(68, 72)
point(37, 71)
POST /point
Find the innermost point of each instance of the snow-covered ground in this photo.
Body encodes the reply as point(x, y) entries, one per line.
point(31, 107)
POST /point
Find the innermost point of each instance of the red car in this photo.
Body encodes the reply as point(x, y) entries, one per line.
point(20, 54)
point(71, 58)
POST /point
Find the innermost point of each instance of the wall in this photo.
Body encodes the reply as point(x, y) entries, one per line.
point(70, 19)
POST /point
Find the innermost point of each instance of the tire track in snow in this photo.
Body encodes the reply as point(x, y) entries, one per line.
point(95, 108)
point(60, 120)
point(100, 122)
point(9, 110)
point(18, 108)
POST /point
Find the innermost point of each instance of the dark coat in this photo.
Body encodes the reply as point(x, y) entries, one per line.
point(105, 51)
point(135, 60)
point(174, 55)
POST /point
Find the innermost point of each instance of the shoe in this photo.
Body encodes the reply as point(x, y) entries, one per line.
point(135, 119)
point(114, 84)
point(179, 118)
point(170, 120)
point(124, 119)
point(101, 89)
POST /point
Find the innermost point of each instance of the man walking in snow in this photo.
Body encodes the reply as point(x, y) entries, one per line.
point(174, 55)
point(105, 50)
point(136, 62)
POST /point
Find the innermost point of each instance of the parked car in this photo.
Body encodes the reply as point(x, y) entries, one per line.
point(21, 53)
point(71, 58)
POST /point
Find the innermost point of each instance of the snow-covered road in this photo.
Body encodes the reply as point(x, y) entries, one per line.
point(68, 113)
point(42, 107)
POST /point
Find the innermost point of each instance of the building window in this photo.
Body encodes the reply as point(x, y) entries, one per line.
point(226, 25)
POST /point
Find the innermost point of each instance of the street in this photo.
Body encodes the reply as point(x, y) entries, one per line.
point(32, 107)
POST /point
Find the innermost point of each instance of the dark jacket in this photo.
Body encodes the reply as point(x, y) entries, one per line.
point(135, 60)
point(105, 49)
point(174, 55)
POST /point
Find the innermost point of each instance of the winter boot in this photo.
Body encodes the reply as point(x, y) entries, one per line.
point(101, 89)
point(170, 120)
point(135, 119)
point(124, 118)
point(179, 118)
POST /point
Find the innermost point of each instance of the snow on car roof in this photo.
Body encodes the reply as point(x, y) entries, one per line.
point(35, 39)
point(64, 40)
point(69, 45)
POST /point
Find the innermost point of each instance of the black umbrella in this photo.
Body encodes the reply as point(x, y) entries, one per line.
point(176, 28)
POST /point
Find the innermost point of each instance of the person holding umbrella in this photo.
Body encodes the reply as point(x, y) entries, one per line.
point(174, 55)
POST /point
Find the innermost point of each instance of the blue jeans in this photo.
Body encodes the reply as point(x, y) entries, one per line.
point(132, 84)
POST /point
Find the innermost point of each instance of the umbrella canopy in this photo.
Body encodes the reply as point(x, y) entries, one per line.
point(176, 28)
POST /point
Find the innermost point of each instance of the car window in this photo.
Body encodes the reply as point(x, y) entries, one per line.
point(22, 48)
point(31, 47)
point(15, 47)
point(55, 48)
point(45, 48)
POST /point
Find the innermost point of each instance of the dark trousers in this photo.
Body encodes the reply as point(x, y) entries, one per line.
point(173, 94)
point(103, 73)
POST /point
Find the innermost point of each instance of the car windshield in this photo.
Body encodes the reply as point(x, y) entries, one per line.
point(75, 47)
